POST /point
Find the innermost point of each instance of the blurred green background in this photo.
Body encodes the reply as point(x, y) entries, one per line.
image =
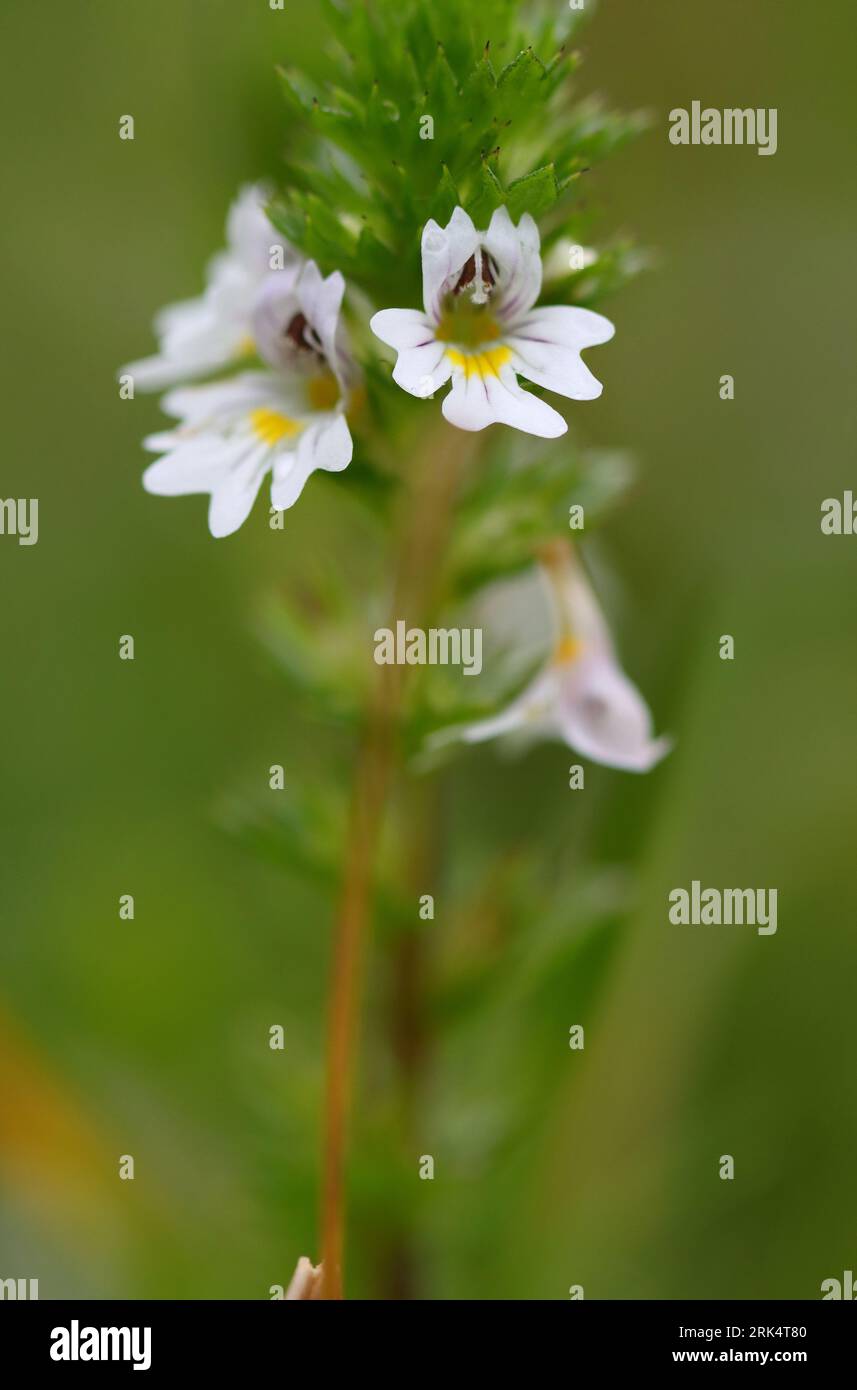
point(150, 1037)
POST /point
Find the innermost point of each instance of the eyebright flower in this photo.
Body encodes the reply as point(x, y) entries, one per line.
point(480, 329)
point(214, 331)
point(582, 696)
point(287, 421)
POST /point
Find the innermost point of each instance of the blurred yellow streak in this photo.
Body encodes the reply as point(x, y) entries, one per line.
point(50, 1152)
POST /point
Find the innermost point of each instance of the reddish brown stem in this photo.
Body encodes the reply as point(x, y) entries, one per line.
point(423, 534)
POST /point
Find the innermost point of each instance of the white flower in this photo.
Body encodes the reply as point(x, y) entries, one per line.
point(287, 422)
point(480, 329)
point(214, 331)
point(582, 696)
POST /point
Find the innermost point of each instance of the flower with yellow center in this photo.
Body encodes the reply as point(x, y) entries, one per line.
point(480, 331)
point(581, 695)
point(287, 420)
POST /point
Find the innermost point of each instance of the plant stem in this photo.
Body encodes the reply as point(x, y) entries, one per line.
point(422, 531)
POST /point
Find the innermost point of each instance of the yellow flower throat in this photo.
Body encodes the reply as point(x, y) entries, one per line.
point(270, 426)
point(471, 329)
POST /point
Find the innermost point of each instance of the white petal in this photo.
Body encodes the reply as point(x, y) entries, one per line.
point(249, 232)
point(517, 255)
point(422, 365)
point(402, 328)
point(547, 346)
point(602, 715)
point(326, 444)
point(155, 372)
point(423, 370)
point(233, 497)
point(274, 307)
point(224, 400)
point(507, 722)
point(198, 465)
point(329, 444)
point(163, 441)
point(569, 326)
point(194, 344)
point(288, 480)
point(202, 335)
point(174, 318)
point(228, 298)
point(484, 397)
point(445, 251)
point(531, 710)
point(320, 301)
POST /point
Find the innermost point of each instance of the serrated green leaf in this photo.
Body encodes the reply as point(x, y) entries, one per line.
point(445, 198)
point(535, 193)
point(489, 195)
point(481, 85)
point(519, 81)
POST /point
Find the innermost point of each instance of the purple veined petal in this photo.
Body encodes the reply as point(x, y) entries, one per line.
point(516, 254)
point(423, 370)
point(403, 329)
point(547, 346)
point(422, 364)
point(445, 252)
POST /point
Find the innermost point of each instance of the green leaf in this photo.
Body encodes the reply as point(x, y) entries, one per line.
point(534, 193)
point(489, 195)
point(518, 505)
point(445, 198)
point(520, 80)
